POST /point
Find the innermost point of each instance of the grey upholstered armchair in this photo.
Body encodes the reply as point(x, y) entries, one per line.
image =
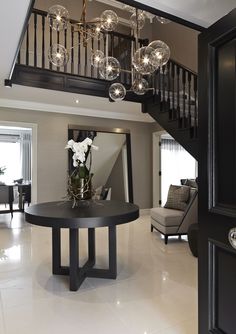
point(6, 197)
point(171, 222)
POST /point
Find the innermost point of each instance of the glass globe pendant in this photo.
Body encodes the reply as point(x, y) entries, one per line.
point(117, 92)
point(140, 86)
point(137, 20)
point(58, 55)
point(160, 54)
point(109, 68)
point(96, 57)
point(109, 20)
point(58, 17)
point(142, 60)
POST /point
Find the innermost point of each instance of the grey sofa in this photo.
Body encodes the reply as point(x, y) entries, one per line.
point(171, 222)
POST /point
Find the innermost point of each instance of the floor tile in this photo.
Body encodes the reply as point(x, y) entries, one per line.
point(155, 291)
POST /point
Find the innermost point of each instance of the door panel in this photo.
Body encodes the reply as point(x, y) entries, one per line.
point(217, 177)
point(222, 275)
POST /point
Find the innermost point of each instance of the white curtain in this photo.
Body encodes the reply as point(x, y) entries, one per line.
point(176, 164)
point(10, 158)
point(26, 156)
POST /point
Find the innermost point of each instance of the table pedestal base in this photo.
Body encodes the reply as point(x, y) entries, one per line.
point(78, 274)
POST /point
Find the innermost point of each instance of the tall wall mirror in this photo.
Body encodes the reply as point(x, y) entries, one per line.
point(111, 163)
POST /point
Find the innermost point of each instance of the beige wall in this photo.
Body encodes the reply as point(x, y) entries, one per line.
point(52, 157)
point(183, 42)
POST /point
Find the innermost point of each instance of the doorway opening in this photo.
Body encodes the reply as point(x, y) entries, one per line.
point(171, 163)
point(176, 165)
point(18, 162)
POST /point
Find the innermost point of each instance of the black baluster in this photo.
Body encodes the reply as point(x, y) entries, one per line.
point(35, 40)
point(27, 47)
point(168, 84)
point(173, 90)
point(104, 44)
point(159, 87)
point(86, 59)
point(92, 67)
point(195, 106)
point(72, 50)
point(184, 96)
point(43, 41)
point(163, 70)
point(189, 98)
point(178, 90)
point(120, 60)
point(99, 46)
point(58, 42)
point(112, 45)
point(50, 41)
point(65, 45)
point(79, 53)
point(125, 59)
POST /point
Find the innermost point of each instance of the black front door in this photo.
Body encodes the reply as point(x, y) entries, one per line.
point(217, 177)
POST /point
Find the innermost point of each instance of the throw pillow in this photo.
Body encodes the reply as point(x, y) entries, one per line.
point(189, 182)
point(178, 197)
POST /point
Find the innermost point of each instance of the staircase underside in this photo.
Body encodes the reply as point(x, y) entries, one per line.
point(176, 127)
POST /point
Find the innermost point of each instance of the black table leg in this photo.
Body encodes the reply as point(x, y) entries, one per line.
point(91, 245)
point(74, 259)
point(76, 274)
point(112, 252)
point(56, 251)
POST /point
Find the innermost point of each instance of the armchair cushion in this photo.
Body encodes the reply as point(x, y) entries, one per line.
point(167, 217)
point(178, 197)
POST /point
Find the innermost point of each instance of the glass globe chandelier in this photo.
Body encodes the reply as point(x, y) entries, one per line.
point(145, 60)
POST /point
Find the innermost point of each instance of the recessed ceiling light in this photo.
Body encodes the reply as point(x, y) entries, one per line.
point(77, 101)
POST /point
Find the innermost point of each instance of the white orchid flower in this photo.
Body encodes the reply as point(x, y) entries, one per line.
point(79, 149)
point(87, 141)
point(70, 144)
point(75, 162)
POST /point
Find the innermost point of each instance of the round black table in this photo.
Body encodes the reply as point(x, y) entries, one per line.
point(90, 215)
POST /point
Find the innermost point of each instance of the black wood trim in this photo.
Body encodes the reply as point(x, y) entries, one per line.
point(44, 78)
point(158, 12)
point(22, 35)
point(212, 268)
point(48, 79)
point(214, 205)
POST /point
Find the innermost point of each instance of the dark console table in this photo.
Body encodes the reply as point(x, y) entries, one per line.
point(90, 215)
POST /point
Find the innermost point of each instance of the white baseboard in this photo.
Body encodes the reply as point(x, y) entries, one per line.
point(144, 212)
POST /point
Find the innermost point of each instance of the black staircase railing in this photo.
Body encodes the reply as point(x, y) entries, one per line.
point(39, 37)
point(173, 102)
point(176, 94)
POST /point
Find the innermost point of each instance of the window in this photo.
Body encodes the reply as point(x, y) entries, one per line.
point(176, 164)
point(10, 157)
point(15, 153)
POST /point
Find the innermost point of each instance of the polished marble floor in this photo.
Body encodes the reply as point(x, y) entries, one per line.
point(155, 291)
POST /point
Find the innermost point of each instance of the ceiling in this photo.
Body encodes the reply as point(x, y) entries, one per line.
point(203, 12)
point(200, 12)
